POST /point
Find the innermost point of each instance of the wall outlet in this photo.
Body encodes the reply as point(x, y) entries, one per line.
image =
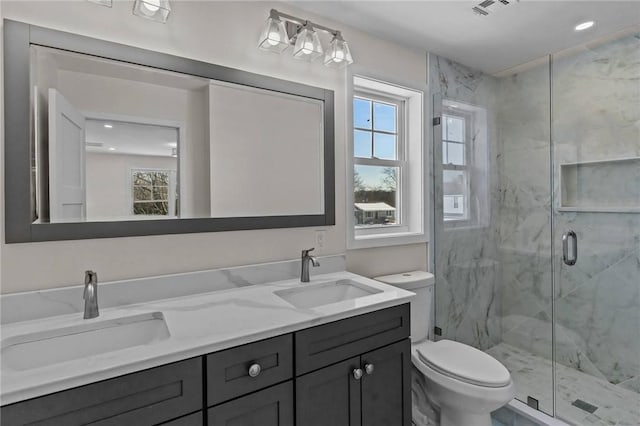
point(321, 236)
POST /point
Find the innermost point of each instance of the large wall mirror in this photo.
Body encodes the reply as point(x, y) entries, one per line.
point(107, 140)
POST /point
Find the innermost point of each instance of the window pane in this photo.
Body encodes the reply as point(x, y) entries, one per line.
point(444, 153)
point(454, 129)
point(375, 195)
point(160, 193)
point(384, 146)
point(384, 117)
point(456, 154)
point(361, 113)
point(160, 178)
point(141, 193)
point(362, 144)
point(455, 192)
point(151, 208)
point(141, 178)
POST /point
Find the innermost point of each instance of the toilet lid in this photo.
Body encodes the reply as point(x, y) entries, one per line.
point(464, 362)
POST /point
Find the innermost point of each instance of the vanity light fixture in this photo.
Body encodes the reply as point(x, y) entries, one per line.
point(154, 10)
point(585, 25)
point(282, 30)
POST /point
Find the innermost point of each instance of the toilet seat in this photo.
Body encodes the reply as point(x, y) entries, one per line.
point(464, 363)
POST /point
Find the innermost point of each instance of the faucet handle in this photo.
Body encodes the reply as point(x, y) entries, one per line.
point(90, 278)
point(305, 253)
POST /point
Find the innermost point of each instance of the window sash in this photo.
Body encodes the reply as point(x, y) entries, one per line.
point(466, 168)
point(400, 162)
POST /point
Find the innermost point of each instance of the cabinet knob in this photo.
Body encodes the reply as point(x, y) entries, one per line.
point(254, 370)
point(368, 368)
point(357, 373)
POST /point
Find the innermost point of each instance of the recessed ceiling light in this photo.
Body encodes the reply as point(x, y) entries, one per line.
point(108, 126)
point(112, 149)
point(585, 25)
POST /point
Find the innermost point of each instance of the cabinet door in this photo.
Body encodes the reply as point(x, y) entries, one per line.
point(329, 396)
point(386, 391)
point(144, 398)
point(269, 407)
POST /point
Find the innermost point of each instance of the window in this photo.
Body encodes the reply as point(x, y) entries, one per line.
point(465, 165)
point(386, 167)
point(378, 160)
point(153, 192)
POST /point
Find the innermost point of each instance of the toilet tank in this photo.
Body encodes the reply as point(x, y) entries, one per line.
point(421, 283)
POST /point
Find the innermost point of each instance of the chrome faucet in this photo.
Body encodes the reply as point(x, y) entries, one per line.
point(90, 295)
point(304, 276)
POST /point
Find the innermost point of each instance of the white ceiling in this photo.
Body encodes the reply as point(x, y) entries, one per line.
point(508, 36)
point(130, 138)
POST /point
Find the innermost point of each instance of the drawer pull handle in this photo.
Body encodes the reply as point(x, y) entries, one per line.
point(368, 368)
point(357, 373)
point(255, 370)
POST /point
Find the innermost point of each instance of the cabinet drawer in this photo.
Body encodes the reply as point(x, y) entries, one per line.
point(269, 407)
point(330, 343)
point(228, 370)
point(145, 398)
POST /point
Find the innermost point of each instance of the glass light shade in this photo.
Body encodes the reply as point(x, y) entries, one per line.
point(338, 54)
point(308, 45)
point(107, 3)
point(154, 10)
point(274, 36)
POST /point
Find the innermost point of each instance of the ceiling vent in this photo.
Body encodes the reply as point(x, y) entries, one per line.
point(482, 8)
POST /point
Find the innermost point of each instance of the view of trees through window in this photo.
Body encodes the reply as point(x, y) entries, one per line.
point(376, 162)
point(151, 192)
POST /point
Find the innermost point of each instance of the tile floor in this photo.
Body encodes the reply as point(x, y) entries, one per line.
point(532, 374)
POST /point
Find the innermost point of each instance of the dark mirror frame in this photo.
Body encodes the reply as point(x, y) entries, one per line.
point(18, 37)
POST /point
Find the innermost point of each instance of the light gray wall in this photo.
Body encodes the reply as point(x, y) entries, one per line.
point(109, 182)
point(223, 33)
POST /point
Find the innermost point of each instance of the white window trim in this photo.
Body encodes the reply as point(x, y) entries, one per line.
point(414, 202)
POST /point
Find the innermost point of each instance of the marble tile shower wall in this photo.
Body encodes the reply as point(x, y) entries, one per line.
point(467, 267)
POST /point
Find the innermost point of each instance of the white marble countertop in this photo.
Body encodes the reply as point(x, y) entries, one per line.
point(198, 324)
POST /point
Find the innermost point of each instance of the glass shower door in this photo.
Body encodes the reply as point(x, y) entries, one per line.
point(596, 221)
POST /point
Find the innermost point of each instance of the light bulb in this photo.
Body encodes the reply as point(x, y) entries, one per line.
point(150, 7)
point(274, 38)
point(307, 48)
point(339, 56)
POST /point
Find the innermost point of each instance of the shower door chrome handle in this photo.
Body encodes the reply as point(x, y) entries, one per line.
point(569, 260)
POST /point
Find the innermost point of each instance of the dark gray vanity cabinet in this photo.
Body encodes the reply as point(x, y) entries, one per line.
point(352, 372)
point(370, 383)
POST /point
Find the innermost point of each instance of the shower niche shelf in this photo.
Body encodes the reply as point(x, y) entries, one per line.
point(601, 186)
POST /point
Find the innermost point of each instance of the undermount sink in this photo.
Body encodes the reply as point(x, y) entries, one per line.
point(310, 296)
point(33, 350)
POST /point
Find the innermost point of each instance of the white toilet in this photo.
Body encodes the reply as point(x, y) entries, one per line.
point(464, 383)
